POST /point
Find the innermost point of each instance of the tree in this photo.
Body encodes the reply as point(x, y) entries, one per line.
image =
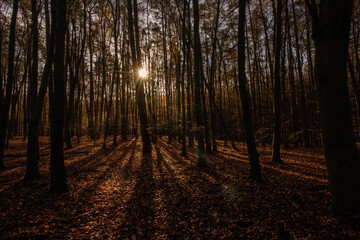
point(212, 76)
point(301, 80)
point(183, 120)
point(74, 81)
point(277, 91)
point(136, 56)
point(91, 107)
point(331, 28)
point(255, 170)
point(5, 103)
point(116, 70)
point(197, 79)
point(57, 167)
point(32, 171)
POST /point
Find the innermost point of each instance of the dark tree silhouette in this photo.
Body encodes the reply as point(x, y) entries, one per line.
point(32, 171)
point(277, 91)
point(57, 168)
point(5, 103)
point(136, 56)
point(331, 27)
point(197, 79)
point(255, 170)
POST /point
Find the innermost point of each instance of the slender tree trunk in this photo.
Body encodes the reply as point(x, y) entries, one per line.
point(104, 78)
point(301, 81)
point(125, 80)
point(117, 73)
point(69, 107)
point(108, 112)
point(204, 109)
point(25, 100)
point(294, 110)
point(189, 83)
point(178, 91)
point(313, 101)
point(212, 77)
point(255, 170)
point(183, 121)
point(267, 44)
point(91, 110)
point(136, 56)
point(5, 104)
point(277, 91)
point(57, 168)
point(73, 83)
point(202, 162)
point(256, 53)
point(167, 81)
point(32, 171)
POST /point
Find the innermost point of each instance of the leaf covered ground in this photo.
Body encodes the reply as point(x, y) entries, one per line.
point(119, 193)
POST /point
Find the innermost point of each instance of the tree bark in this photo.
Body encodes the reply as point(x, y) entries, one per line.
point(301, 81)
point(294, 110)
point(277, 91)
point(57, 168)
point(5, 104)
point(202, 162)
point(91, 110)
point(212, 77)
point(73, 83)
point(255, 170)
point(136, 56)
point(331, 28)
point(189, 88)
point(183, 121)
point(117, 73)
point(32, 171)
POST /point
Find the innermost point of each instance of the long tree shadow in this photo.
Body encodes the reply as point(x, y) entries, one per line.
point(99, 170)
point(195, 200)
point(140, 212)
point(172, 198)
point(100, 164)
point(127, 168)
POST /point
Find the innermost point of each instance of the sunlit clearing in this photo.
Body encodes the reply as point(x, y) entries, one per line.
point(142, 73)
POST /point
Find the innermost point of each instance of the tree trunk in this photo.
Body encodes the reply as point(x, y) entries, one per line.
point(183, 121)
point(91, 110)
point(189, 83)
point(212, 77)
point(267, 45)
point(301, 81)
point(277, 91)
point(202, 162)
point(32, 171)
point(73, 83)
point(294, 110)
point(255, 170)
point(125, 80)
point(117, 73)
point(167, 81)
point(136, 56)
point(5, 104)
point(331, 28)
point(57, 168)
point(178, 91)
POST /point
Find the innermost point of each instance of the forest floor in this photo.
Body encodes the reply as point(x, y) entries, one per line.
point(118, 193)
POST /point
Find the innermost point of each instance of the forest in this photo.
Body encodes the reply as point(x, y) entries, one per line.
point(179, 119)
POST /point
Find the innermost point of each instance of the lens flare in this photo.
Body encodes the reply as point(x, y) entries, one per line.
point(143, 73)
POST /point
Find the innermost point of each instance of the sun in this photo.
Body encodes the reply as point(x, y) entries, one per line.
point(143, 73)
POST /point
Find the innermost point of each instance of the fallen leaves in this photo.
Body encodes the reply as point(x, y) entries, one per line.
point(117, 193)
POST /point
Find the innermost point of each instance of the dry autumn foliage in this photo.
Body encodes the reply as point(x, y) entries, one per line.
point(117, 193)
